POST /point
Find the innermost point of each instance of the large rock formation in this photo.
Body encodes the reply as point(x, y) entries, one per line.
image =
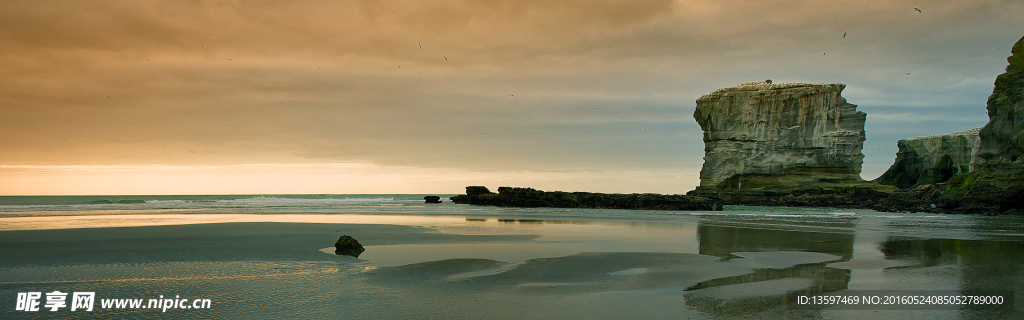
point(997, 185)
point(1002, 139)
point(779, 135)
point(529, 197)
point(933, 159)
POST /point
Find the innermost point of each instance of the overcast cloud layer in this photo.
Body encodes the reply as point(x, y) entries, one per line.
point(438, 94)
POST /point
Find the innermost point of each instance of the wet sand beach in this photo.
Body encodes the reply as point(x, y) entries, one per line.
point(522, 265)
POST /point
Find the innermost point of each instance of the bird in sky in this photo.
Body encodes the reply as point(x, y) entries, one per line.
point(844, 35)
point(421, 46)
point(918, 10)
point(445, 58)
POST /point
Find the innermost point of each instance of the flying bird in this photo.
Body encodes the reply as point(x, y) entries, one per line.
point(844, 35)
point(445, 58)
point(918, 10)
point(421, 45)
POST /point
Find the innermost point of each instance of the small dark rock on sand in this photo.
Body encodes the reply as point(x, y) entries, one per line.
point(348, 246)
point(432, 199)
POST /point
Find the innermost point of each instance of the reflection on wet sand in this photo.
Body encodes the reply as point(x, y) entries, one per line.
point(801, 279)
point(736, 270)
point(976, 264)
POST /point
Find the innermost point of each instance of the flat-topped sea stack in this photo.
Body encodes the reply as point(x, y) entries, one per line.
point(793, 131)
point(782, 144)
point(933, 159)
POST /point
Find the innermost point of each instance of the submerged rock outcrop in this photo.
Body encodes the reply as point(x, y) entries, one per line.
point(790, 134)
point(933, 159)
point(529, 197)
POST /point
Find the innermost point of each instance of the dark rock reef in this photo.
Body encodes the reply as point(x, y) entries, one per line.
point(432, 199)
point(529, 197)
point(862, 196)
point(348, 246)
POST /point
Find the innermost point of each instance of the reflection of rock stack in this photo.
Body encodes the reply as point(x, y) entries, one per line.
point(713, 296)
point(720, 241)
point(981, 264)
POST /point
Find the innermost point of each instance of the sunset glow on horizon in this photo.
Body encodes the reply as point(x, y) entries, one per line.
point(311, 97)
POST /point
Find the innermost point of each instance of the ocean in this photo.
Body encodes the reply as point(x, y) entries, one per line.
point(272, 256)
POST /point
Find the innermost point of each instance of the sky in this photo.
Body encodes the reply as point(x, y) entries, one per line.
point(274, 97)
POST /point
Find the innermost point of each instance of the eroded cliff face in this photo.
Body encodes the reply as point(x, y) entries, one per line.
point(772, 131)
point(933, 159)
point(996, 185)
point(1002, 139)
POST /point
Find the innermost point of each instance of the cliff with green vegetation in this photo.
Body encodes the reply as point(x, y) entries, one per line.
point(996, 186)
point(933, 159)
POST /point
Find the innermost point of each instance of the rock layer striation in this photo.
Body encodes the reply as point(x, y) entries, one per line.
point(759, 130)
point(933, 159)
